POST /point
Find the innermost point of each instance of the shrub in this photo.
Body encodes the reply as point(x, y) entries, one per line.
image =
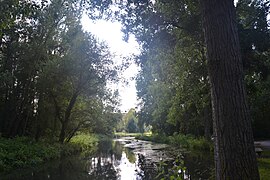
point(23, 152)
point(86, 142)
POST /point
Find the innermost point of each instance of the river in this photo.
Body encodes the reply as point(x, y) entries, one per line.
point(124, 159)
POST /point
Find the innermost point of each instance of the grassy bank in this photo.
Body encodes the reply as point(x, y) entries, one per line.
point(179, 140)
point(190, 142)
point(264, 165)
point(22, 152)
point(124, 134)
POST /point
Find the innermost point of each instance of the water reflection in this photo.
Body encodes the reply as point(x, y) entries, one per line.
point(114, 161)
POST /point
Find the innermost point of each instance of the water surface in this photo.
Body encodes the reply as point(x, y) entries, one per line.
point(124, 159)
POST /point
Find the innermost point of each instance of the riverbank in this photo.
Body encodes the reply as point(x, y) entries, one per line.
point(23, 152)
point(264, 165)
point(179, 140)
point(192, 143)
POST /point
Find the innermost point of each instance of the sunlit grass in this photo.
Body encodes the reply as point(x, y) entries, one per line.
point(264, 165)
point(179, 140)
point(87, 142)
point(124, 134)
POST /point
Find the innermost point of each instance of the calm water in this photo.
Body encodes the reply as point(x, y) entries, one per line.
point(123, 159)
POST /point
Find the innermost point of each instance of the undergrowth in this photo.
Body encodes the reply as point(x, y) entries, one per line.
point(87, 143)
point(179, 140)
point(23, 152)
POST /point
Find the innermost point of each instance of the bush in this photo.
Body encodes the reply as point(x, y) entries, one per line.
point(191, 142)
point(86, 142)
point(21, 152)
point(24, 152)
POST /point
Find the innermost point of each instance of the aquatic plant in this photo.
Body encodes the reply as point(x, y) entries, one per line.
point(171, 170)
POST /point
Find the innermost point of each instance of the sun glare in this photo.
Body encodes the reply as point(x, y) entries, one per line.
point(110, 32)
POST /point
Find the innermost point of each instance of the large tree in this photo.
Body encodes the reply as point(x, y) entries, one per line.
point(235, 153)
point(234, 145)
point(52, 74)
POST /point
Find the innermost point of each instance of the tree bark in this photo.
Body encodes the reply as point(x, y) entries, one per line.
point(73, 131)
point(62, 135)
point(235, 156)
point(65, 122)
point(207, 122)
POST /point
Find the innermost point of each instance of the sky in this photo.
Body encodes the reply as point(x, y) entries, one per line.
point(110, 32)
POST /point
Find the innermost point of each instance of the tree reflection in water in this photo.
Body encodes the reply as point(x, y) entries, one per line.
point(117, 162)
point(112, 161)
point(146, 169)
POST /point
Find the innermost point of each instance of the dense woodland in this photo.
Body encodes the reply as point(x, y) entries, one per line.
point(173, 84)
point(205, 71)
point(53, 75)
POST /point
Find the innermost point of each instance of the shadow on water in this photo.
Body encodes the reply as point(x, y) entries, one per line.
point(125, 159)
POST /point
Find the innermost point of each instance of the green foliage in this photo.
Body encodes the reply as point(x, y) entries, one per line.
point(159, 138)
point(255, 44)
point(176, 172)
point(53, 75)
point(264, 166)
point(21, 152)
point(190, 142)
point(131, 126)
point(173, 84)
point(129, 122)
point(25, 152)
point(86, 142)
point(180, 140)
point(124, 134)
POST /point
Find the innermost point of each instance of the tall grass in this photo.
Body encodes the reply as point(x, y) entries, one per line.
point(191, 142)
point(180, 140)
point(124, 134)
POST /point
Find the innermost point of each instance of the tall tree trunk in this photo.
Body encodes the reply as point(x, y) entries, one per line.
point(62, 135)
point(67, 117)
point(207, 122)
point(234, 145)
point(73, 131)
